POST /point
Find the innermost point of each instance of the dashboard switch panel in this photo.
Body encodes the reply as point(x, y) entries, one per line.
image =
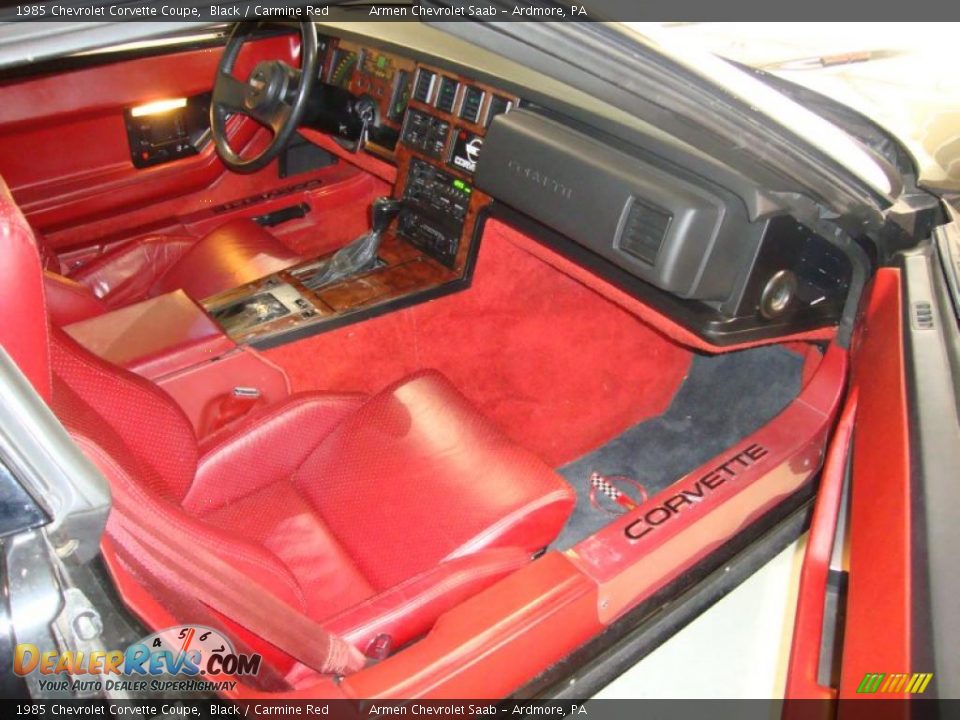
point(424, 88)
point(447, 94)
point(426, 133)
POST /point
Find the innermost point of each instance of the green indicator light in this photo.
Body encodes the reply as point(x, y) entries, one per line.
point(461, 185)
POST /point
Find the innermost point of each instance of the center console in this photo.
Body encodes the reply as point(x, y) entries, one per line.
point(426, 252)
point(172, 341)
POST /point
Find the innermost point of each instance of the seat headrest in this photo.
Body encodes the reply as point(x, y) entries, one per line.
point(23, 329)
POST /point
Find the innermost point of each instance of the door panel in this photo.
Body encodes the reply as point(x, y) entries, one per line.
point(877, 628)
point(816, 635)
point(867, 628)
point(63, 143)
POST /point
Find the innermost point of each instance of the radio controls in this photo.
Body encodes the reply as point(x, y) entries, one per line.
point(436, 207)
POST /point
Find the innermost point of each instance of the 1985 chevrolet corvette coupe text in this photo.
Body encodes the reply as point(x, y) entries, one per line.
point(391, 360)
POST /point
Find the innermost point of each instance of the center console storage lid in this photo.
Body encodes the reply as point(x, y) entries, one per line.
point(155, 337)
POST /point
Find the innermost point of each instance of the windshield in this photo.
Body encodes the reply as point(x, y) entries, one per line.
point(901, 75)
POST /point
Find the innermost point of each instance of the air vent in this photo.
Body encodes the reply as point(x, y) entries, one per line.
point(498, 106)
point(424, 88)
point(472, 101)
point(922, 315)
point(643, 231)
point(447, 95)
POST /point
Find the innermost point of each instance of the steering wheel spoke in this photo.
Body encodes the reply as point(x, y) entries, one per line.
point(280, 117)
point(228, 92)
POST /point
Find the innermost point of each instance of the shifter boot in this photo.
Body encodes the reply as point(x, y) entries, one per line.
point(361, 253)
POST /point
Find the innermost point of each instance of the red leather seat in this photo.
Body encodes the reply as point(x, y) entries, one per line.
point(233, 254)
point(371, 516)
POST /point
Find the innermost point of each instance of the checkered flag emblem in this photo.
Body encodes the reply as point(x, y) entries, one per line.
point(606, 487)
point(600, 483)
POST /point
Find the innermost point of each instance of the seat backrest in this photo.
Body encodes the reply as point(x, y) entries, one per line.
point(132, 431)
point(23, 331)
point(134, 422)
point(131, 420)
point(145, 446)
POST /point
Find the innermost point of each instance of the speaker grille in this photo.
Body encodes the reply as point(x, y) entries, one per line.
point(643, 231)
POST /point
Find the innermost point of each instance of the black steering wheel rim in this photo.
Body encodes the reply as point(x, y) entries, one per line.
point(265, 96)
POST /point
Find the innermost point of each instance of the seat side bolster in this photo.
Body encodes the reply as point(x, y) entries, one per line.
point(537, 519)
point(68, 301)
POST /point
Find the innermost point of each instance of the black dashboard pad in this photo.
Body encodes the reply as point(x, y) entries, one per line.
point(682, 236)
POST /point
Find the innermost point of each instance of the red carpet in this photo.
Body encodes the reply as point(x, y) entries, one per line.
point(556, 365)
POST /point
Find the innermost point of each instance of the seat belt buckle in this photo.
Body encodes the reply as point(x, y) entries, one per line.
point(379, 648)
point(229, 407)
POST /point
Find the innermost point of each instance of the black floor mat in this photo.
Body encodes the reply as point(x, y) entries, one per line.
point(723, 399)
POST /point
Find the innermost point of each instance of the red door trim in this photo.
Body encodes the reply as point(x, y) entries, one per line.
point(806, 645)
point(877, 635)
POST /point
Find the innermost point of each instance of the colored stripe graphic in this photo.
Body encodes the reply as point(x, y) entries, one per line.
point(919, 682)
point(910, 683)
point(870, 683)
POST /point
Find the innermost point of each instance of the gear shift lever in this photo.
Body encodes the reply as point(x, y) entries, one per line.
point(358, 255)
point(383, 211)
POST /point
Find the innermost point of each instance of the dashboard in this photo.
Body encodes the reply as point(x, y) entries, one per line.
point(690, 236)
point(431, 123)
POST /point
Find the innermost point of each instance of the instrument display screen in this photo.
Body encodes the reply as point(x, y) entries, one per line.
point(377, 65)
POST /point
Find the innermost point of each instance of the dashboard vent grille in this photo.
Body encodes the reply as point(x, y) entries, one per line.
point(472, 100)
point(447, 95)
point(923, 315)
point(643, 231)
point(425, 80)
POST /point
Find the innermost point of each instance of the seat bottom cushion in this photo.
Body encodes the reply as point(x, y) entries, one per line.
point(417, 475)
point(279, 519)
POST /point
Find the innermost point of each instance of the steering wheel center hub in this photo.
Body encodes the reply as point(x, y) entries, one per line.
point(265, 86)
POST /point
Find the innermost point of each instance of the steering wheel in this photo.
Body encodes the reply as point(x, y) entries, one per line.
point(275, 95)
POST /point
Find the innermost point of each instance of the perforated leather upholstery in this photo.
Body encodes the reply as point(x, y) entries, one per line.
point(337, 500)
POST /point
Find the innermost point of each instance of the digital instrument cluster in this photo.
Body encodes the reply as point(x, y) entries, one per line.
point(379, 80)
